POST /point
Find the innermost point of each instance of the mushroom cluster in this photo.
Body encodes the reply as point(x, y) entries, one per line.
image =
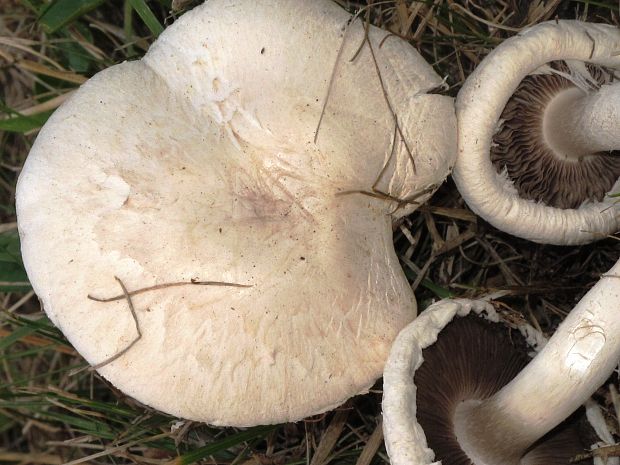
point(211, 226)
point(561, 125)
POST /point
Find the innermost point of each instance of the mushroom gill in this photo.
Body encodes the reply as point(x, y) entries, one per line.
point(537, 170)
point(477, 358)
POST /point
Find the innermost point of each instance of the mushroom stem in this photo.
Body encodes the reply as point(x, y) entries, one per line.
point(580, 356)
point(577, 123)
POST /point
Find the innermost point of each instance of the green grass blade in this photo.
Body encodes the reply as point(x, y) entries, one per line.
point(439, 291)
point(436, 289)
point(23, 124)
point(29, 5)
point(95, 426)
point(128, 26)
point(147, 16)
point(15, 336)
point(62, 12)
point(43, 326)
point(12, 273)
point(223, 444)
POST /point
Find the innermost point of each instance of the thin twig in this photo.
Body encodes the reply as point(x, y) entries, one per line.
point(422, 274)
point(127, 295)
point(8, 227)
point(167, 285)
point(135, 320)
point(604, 452)
point(389, 104)
point(387, 162)
point(131, 344)
point(114, 450)
point(332, 79)
point(412, 199)
point(398, 129)
point(484, 21)
point(377, 194)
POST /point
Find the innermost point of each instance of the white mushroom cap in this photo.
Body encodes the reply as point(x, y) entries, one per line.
point(480, 104)
point(200, 161)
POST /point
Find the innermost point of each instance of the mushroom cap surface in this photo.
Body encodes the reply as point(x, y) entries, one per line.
point(199, 162)
point(479, 106)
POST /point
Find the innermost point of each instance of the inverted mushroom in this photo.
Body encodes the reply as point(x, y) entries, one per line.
point(585, 349)
point(205, 162)
point(502, 429)
point(538, 134)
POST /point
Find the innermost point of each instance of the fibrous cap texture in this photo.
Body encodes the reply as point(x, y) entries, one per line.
point(479, 106)
point(202, 162)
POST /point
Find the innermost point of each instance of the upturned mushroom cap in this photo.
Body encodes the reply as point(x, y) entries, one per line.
point(572, 141)
point(472, 359)
point(405, 439)
point(451, 355)
point(202, 162)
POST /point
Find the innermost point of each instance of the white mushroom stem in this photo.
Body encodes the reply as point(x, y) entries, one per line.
point(580, 356)
point(582, 353)
point(479, 107)
point(578, 123)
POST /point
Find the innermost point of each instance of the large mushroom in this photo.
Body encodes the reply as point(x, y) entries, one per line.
point(538, 134)
point(260, 146)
